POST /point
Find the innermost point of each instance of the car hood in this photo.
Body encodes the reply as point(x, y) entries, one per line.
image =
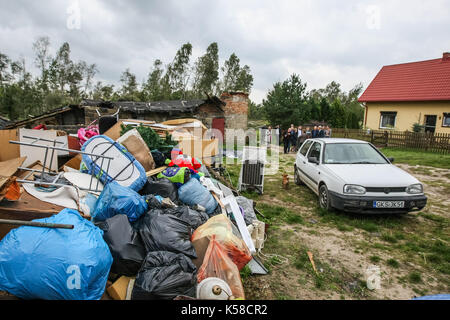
point(372, 175)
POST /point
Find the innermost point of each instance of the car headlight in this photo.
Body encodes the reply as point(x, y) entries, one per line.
point(354, 189)
point(414, 188)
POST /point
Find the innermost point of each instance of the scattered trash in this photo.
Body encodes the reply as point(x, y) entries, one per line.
point(232, 207)
point(310, 255)
point(218, 264)
point(159, 216)
point(192, 193)
point(220, 227)
point(165, 232)
point(176, 175)
point(247, 205)
point(193, 217)
point(373, 277)
point(117, 199)
point(7, 170)
point(162, 187)
point(37, 224)
point(257, 232)
point(257, 267)
point(213, 289)
point(83, 181)
point(43, 263)
point(165, 275)
point(124, 169)
point(159, 158)
point(66, 196)
point(252, 170)
point(84, 134)
point(120, 289)
point(151, 138)
point(125, 245)
point(11, 190)
point(134, 143)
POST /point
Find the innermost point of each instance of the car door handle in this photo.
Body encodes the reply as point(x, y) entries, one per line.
point(304, 162)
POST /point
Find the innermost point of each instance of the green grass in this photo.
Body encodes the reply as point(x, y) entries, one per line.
point(415, 277)
point(414, 157)
point(245, 273)
point(276, 215)
point(392, 263)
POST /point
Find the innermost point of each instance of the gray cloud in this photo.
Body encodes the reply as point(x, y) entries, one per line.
point(321, 40)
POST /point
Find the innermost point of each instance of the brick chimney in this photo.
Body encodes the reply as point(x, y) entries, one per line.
point(236, 109)
point(446, 56)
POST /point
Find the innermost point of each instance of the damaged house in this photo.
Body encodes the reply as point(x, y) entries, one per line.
point(228, 111)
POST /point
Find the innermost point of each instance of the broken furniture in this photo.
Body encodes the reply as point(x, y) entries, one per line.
point(251, 176)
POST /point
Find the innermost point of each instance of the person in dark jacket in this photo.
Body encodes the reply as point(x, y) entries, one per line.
point(314, 132)
point(321, 132)
point(286, 140)
point(293, 138)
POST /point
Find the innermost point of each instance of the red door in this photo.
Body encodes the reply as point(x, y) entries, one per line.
point(219, 124)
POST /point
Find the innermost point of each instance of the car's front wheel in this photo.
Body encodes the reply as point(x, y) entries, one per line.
point(324, 197)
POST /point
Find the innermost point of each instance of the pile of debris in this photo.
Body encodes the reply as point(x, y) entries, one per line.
point(132, 215)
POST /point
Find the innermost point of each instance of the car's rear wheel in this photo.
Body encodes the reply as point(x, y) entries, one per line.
point(297, 179)
point(324, 197)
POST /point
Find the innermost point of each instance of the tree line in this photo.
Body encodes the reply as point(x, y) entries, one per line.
point(62, 81)
point(289, 102)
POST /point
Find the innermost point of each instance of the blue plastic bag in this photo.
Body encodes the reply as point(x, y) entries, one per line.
point(116, 199)
point(193, 192)
point(55, 264)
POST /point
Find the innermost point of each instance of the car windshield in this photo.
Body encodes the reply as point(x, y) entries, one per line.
point(352, 153)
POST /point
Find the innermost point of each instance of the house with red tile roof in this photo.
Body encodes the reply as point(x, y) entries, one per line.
point(402, 95)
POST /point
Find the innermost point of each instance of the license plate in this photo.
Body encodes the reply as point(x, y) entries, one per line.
point(389, 204)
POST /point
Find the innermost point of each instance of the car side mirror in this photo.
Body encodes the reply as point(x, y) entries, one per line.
point(391, 160)
point(313, 160)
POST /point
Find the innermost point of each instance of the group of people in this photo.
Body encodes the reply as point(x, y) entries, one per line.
point(294, 137)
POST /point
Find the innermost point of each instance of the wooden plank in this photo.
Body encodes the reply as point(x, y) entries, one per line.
point(27, 208)
point(155, 171)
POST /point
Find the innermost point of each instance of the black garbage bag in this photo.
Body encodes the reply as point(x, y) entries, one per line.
point(193, 217)
point(159, 158)
point(165, 275)
point(125, 244)
point(165, 232)
point(162, 187)
point(152, 202)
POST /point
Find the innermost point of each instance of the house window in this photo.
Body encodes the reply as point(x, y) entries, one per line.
point(387, 120)
point(446, 120)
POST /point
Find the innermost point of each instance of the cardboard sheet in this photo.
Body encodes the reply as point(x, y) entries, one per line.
point(33, 153)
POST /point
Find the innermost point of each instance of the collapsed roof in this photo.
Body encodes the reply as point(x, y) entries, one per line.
point(170, 106)
point(156, 106)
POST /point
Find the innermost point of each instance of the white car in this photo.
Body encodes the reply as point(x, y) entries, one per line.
point(352, 175)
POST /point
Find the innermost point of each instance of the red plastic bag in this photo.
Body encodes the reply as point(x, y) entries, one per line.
point(217, 264)
point(220, 227)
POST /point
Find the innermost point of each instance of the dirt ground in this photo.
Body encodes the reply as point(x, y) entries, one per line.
point(411, 251)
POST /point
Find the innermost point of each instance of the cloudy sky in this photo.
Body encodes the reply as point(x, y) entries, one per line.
point(322, 40)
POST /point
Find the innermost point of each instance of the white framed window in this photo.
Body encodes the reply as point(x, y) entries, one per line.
point(388, 120)
point(446, 120)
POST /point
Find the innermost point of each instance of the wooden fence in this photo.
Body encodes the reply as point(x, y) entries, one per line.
point(426, 141)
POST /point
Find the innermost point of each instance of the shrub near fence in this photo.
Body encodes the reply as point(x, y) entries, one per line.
point(426, 141)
